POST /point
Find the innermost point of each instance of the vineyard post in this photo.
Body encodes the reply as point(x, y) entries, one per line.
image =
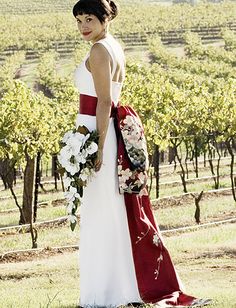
point(183, 174)
point(196, 152)
point(218, 165)
point(54, 170)
point(156, 164)
point(204, 157)
point(186, 157)
point(229, 144)
point(210, 159)
point(29, 174)
point(46, 174)
point(37, 184)
point(197, 200)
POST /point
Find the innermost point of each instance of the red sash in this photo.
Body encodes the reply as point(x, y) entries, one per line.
point(88, 105)
point(155, 273)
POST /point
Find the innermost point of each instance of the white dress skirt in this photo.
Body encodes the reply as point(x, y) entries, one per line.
point(107, 274)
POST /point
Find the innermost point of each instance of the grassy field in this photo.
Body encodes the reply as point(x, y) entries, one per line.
point(167, 218)
point(204, 260)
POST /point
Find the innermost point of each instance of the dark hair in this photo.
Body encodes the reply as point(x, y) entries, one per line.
point(100, 8)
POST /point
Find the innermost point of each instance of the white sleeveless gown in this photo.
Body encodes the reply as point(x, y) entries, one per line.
point(107, 273)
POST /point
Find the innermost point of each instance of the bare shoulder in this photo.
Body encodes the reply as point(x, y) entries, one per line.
point(99, 53)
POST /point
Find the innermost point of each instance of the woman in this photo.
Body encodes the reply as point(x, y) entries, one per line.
point(122, 258)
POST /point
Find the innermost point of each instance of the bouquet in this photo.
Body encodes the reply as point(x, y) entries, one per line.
point(77, 157)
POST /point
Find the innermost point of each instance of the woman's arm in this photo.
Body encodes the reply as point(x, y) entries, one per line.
point(99, 62)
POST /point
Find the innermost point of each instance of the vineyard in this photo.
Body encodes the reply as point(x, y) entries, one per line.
point(36, 33)
point(187, 103)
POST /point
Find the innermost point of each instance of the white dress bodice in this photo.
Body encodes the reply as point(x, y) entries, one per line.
point(83, 77)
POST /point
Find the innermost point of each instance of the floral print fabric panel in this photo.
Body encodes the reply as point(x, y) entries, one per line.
point(132, 151)
point(135, 142)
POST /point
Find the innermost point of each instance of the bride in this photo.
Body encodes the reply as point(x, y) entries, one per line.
point(122, 258)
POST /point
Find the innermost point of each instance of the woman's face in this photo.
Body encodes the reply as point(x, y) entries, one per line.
point(90, 27)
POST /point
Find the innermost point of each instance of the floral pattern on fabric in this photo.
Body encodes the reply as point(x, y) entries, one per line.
point(130, 181)
point(157, 241)
point(135, 142)
point(132, 151)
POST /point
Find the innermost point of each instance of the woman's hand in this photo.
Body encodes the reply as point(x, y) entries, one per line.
point(99, 160)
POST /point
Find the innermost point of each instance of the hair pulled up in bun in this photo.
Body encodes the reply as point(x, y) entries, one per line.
point(102, 9)
point(114, 9)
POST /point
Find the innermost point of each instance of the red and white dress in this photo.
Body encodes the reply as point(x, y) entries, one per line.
point(122, 258)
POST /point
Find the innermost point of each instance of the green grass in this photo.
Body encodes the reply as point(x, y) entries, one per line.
point(29, 73)
point(168, 174)
point(191, 187)
point(167, 218)
point(45, 213)
point(201, 258)
point(203, 244)
point(43, 197)
point(176, 216)
point(36, 283)
point(46, 237)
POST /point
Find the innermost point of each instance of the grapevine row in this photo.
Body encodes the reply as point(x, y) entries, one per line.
point(44, 31)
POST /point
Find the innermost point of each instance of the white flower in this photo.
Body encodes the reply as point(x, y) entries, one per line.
point(72, 218)
point(71, 194)
point(67, 181)
point(128, 120)
point(84, 153)
point(65, 153)
point(67, 136)
point(72, 168)
point(81, 137)
point(92, 148)
point(80, 158)
point(136, 130)
point(70, 207)
point(125, 134)
point(85, 173)
point(124, 175)
point(75, 143)
point(86, 138)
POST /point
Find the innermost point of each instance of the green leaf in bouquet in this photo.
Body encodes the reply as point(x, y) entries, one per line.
point(76, 203)
point(72, 225)
point(80, 191)
point(79, 183)
point(61, 171)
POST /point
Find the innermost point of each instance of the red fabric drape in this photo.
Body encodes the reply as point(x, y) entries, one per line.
point(155, 273)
